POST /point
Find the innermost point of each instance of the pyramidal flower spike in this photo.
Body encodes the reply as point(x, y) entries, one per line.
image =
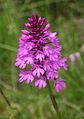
point(40, 48)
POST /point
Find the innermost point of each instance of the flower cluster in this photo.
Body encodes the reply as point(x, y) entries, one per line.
point(75, 56)
point(40, 48)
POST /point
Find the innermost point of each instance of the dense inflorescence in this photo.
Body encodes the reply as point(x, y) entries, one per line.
point(40, 48)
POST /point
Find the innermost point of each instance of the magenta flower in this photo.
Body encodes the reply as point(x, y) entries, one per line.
point(40, 48)
point(40, 83)
point(27, 76)
point(51, 74)
point(59, 85)
point(75, 56)
point(38, 72)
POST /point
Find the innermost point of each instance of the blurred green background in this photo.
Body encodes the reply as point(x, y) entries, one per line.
point(67, 18)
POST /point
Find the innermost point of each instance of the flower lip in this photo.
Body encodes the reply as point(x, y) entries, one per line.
point(59, 85)
point(26, 76)
point(38, 72)
point(40, 56)
point(40, 83)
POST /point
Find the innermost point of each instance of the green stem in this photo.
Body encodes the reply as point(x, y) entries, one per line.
point(8, 103)
point(53, 100)
point(5, 98)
